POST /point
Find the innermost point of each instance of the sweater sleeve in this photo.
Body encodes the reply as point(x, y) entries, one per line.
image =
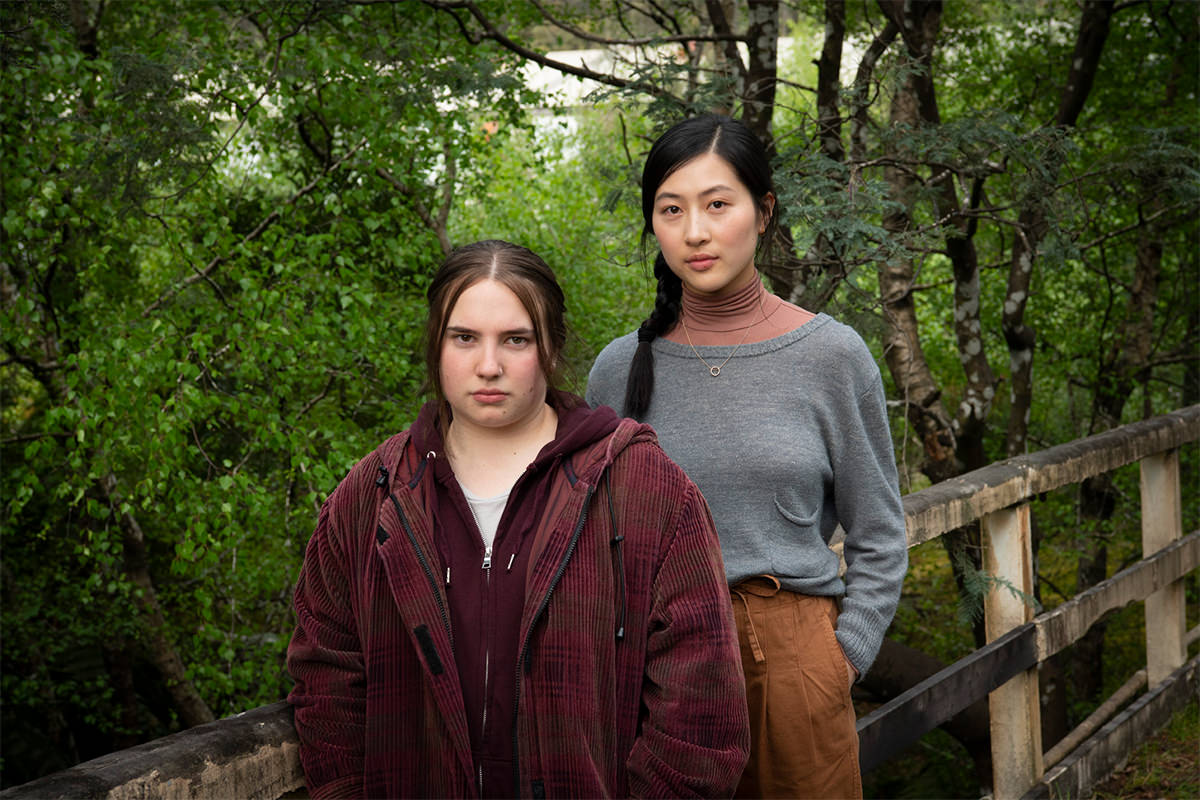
point(326, 662)
point(695, 737)
point(607, 378)
point(867, 494)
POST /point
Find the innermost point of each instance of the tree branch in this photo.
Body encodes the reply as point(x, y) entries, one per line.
point(1099, 240)
point(33, 437)
point(579, 33)
point(437, 226)
point(862, 81)
point(324, 392)
point(203, 275)
point(490, 31)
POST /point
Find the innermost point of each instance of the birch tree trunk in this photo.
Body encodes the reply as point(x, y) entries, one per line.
point(1031, 227)
point(919, 25)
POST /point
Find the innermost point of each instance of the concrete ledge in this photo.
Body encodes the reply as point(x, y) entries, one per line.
point(254, 754)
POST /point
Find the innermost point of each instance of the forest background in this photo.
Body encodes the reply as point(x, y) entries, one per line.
point(218, 220)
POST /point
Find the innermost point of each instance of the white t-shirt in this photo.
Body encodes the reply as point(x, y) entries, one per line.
point(487, 512)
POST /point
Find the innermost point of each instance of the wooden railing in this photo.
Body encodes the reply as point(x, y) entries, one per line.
point(255, 754)
point(1005, 670)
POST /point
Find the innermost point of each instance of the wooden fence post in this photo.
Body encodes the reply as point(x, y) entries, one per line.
point(1016, 722)
point(1162, 524)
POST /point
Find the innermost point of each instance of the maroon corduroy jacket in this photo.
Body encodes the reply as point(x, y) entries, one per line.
point(625, 542)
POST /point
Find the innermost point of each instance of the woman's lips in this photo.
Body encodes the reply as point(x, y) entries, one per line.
point(489, 396)
point(701, 262)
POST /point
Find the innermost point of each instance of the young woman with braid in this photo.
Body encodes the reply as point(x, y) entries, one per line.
point(778, 415)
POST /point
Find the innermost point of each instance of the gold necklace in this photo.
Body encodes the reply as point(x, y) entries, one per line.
point(715, 371)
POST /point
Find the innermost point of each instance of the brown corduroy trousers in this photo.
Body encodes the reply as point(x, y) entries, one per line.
point(803, 743)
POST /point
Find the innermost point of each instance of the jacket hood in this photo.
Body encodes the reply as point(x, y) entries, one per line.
point(580, 441)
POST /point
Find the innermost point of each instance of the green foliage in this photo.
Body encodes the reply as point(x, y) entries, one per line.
point(211, 293)
point(940, 769)
point(542, 193)
point(217, 222)
point(977, 584)
point(924, 613)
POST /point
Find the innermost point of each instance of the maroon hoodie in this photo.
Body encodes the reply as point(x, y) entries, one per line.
point(626, 679)
point(487, 594)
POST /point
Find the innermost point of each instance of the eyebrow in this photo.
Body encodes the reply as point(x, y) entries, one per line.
point(456, 329)
point(720, 187)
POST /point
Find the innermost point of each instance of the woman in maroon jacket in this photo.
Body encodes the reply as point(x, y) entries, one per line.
point(518, 596)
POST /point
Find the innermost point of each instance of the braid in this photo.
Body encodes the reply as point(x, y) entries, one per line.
point(639, 387)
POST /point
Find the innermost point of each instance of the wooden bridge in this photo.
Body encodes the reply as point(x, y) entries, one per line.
point(255, 754)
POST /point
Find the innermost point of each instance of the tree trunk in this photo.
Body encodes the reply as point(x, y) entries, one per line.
point(1031, 228)
point(902, 345)
point(758, 98)
point(191, 706)
point(920, 24)
point(915, 104)
point(1052, 673)
point(829, 65)
point(1096, 502)
point(812, 280)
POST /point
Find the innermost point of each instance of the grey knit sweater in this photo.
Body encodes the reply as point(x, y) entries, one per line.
point(790, 441)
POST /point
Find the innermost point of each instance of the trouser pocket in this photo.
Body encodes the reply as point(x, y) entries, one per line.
point(803, 741)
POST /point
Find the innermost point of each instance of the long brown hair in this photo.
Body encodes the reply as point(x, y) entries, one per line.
point(525, 274)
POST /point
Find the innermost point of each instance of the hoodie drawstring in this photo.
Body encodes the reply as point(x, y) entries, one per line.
point(616, 545)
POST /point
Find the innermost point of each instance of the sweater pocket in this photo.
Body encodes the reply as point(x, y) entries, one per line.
point(793, 511)
point(796, 549)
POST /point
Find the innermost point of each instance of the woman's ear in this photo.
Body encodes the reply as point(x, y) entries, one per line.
point(766, 210)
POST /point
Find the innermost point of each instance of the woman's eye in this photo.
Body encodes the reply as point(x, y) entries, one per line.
point(718, 204)
point(463, 338)
point(670, 210)
point(519, 341)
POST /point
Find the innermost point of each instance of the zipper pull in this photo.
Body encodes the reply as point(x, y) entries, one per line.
point(487, 558)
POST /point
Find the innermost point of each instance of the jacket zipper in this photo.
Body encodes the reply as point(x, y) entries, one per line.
point(487, 655)
point(524, 652)
point(425, 567)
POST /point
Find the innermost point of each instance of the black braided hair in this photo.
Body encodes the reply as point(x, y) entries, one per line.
point(639, 387)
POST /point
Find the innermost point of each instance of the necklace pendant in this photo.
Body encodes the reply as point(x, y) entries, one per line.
point(714, 371)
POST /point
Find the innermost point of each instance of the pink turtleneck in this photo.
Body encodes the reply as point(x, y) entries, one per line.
point(723, 320)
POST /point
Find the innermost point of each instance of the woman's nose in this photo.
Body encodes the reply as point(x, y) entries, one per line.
point(489, 362)
point(696, 231)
